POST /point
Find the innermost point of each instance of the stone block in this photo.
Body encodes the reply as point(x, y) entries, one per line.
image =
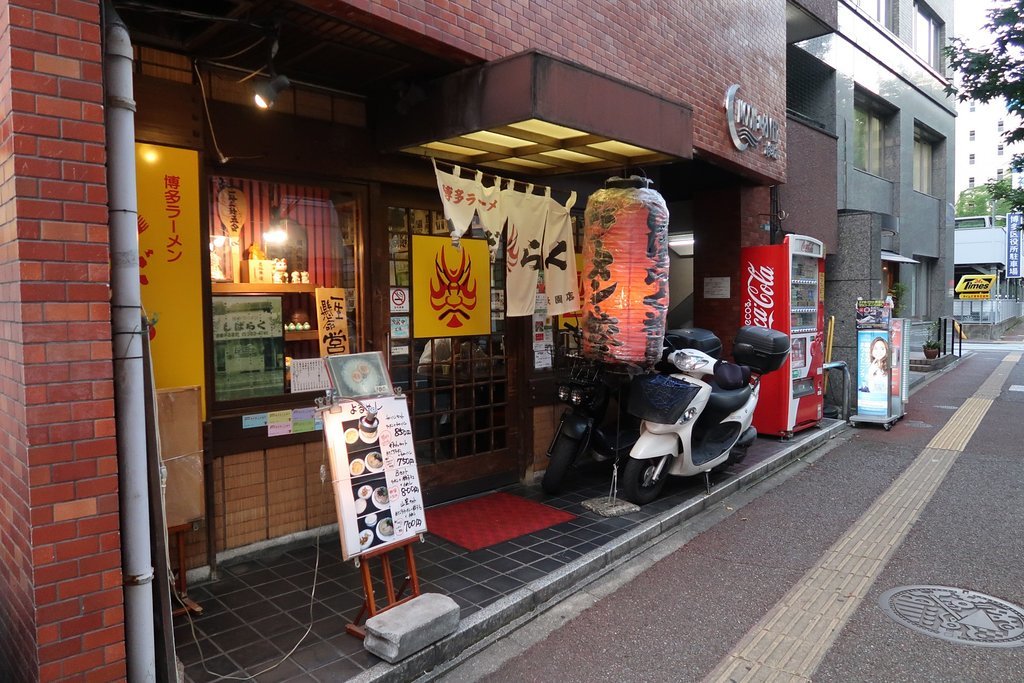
point(396, 633)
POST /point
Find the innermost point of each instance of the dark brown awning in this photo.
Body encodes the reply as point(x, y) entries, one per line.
point(534, 114)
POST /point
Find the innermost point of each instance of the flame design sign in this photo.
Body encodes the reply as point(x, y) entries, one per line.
point(451, 287)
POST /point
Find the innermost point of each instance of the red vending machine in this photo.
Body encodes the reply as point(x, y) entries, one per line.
point(785, 290)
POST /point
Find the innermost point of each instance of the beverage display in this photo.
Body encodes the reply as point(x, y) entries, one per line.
point(784, 291)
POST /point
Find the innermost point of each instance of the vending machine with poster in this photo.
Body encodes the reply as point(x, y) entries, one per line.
point(784, 289)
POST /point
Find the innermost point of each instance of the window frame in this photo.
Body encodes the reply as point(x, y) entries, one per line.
point(870, 146)
point(927, 43)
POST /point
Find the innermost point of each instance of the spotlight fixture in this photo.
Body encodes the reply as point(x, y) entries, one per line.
point(267, 92)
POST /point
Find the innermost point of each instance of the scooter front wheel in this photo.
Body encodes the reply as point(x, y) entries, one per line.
point(638, 483)
point(562, 455)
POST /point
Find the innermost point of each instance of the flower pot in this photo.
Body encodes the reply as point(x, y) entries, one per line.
point(931, 353)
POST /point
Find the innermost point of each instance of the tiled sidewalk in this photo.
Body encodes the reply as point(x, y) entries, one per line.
point(260, 608)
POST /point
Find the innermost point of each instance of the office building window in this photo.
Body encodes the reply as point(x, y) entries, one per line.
point(927, 35)
point(923, 149)
point(970, 136)
point(867, 140)
point(970, 159)
point(999, 150)
point(999, 126)
point(970, 182)
point(970, 107)
point(877, 10)
point(999, 174)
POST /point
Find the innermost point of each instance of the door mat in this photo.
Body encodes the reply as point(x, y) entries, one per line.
point(488, 520)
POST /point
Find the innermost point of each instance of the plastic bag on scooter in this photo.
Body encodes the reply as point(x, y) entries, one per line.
point(660, 398)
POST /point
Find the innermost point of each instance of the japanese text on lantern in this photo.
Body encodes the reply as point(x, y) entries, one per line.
point(172, 208)
point(332, 320)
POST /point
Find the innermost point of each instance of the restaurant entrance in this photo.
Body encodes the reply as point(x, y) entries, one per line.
point(457, 383)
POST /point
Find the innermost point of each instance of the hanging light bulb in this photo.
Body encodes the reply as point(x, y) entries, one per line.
point(267, 92)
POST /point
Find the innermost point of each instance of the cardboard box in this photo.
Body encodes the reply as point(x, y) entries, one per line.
point(180, 421)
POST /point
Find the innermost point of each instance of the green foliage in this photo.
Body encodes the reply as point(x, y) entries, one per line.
point(996, 71)
point(931, 344)
point(977, 201)
point(897, 291)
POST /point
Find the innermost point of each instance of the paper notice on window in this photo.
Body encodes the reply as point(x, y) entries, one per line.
point(309, 374)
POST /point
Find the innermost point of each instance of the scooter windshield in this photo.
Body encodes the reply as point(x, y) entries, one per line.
point(660, 398)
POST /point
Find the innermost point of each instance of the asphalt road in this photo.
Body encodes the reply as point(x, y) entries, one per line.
point(677, 610)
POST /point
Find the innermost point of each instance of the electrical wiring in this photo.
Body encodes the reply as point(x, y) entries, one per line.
point(209, 122)
point(312, 602)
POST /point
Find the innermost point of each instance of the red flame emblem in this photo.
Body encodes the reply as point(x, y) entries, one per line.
point(512, 249)
point(453, 290)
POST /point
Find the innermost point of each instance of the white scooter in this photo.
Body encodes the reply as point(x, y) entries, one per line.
point(698, 420)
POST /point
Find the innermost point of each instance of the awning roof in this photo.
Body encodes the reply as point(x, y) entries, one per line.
point(897, 258)
point(537, 115)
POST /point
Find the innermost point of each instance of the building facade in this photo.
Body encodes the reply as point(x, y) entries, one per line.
point(338, 163)
point(877, 83)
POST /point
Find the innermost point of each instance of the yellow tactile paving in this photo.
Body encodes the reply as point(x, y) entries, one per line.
point(788, 643)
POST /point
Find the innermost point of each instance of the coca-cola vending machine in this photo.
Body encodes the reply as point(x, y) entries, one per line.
point(784, 290)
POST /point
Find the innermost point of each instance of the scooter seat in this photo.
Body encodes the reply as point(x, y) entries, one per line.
point(728, 400)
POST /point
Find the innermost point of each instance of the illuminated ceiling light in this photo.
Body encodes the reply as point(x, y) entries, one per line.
point(527, 163)
point(497, 139)
point(569, 155)
point(621, 148)
point(267, 92)
point(453, 149)
point(551, 130)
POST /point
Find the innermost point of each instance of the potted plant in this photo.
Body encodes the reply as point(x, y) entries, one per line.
point(931, 348)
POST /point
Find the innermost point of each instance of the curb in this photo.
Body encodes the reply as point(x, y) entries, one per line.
point(475, 631)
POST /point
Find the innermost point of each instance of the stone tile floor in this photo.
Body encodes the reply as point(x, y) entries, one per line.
point(260, 608)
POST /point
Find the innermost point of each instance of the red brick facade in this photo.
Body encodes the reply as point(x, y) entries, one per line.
point(62, 615)
point(688, 52)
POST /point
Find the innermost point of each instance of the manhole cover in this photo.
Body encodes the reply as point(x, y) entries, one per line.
point(955, 614)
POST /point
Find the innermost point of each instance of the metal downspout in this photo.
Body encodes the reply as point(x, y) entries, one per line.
point(129, 392)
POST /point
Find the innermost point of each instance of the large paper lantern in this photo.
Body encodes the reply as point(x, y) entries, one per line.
point(625, 273)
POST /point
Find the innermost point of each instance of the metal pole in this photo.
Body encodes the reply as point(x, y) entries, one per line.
point(129, 378)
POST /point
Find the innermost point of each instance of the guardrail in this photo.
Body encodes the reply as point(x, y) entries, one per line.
point(986, 310)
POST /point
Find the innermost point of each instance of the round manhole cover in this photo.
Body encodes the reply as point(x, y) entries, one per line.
point(955, 614)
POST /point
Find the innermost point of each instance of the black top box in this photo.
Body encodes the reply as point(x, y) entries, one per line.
point(761, 349)
point(694, 338)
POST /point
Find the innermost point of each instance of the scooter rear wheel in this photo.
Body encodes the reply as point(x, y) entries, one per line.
point(637, 484)
point(563, 452)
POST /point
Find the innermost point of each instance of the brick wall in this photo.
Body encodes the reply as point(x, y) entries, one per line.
point(687, 51)
point(60, 578)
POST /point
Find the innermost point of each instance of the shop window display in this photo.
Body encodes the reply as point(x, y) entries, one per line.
point(278, 254)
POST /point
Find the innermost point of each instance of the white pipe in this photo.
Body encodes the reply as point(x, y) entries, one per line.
point(129, 386)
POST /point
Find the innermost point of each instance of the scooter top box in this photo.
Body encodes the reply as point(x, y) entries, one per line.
point(695, 338)
point(761, 349)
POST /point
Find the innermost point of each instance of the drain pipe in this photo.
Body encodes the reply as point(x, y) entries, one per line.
point(129, 386)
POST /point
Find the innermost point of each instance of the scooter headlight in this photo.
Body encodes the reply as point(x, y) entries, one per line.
point(689, 414)
point(577, 395)
point(563, 392)
point(690, 363)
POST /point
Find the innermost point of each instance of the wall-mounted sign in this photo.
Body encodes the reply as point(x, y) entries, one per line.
point(750, 128)
point(975, 286)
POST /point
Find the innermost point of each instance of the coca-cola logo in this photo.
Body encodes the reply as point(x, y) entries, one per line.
point(759, 307)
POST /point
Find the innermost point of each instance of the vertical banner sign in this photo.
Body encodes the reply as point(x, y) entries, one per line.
point(451, 287)
point(373, 469)
point(1013, 258)
point(332, 320)
point(169, 261)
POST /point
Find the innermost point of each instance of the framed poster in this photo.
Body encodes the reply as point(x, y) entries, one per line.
point(248, 347)
point(359, 375)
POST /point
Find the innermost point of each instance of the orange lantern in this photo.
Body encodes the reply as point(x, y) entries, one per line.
point(625, 273)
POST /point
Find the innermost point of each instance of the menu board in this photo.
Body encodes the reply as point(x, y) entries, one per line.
point(373, 470)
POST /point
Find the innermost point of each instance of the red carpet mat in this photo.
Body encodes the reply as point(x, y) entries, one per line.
point(496, 517)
